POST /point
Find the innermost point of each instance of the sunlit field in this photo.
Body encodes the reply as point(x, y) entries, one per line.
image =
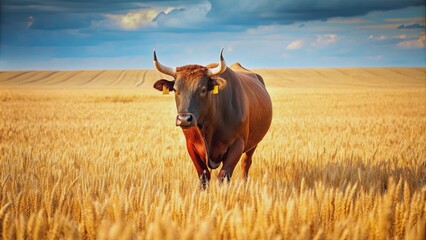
point(96, 155)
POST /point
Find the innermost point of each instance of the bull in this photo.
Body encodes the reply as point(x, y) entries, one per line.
point(224, 113)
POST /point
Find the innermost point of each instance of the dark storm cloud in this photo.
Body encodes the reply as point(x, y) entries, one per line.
point(249, 12)
point(80, 6)
point(54, 15)
point(412, 26)
point(70, 14)
point(224, 14)
point(58, 21)
point(37, 6)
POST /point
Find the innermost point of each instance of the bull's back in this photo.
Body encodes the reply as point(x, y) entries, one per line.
point(259, 106)
point(238, 68)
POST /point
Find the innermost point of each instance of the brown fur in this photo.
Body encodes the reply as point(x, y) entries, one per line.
point(238, 118)
point(191, 70)
point(233, 122)
point(238, 67)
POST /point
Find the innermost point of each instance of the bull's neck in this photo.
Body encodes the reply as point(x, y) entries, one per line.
point(225, 110)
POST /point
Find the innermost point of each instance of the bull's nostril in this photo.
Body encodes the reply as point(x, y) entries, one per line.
point(185, 120)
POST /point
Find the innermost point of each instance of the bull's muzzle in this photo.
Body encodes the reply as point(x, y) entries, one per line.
point(185, 120)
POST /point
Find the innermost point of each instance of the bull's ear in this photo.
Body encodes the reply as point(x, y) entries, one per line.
point(163, 82)
point(217, 81)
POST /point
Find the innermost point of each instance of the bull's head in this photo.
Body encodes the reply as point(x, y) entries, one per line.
point(193, 85)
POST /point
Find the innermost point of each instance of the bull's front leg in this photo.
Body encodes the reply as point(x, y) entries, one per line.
point(231, 160)
point(200, 166)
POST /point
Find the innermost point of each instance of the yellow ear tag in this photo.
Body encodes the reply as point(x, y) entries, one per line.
point(216, 89)
point(165, 90)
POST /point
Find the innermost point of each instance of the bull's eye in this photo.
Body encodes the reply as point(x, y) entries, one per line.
point(203, 91)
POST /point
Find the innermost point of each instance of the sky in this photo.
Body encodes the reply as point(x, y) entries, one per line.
point(121, 34)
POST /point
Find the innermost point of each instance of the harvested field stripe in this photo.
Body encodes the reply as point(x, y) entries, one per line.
point(62, 81)
point(91, 80)
point(37, 80)
point(143, 79)
point(16, 76)
point(120, 79)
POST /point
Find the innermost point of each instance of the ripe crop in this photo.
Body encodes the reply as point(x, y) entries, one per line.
point(97, 156)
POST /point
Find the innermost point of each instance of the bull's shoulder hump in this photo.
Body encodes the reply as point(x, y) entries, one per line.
point(237, 67)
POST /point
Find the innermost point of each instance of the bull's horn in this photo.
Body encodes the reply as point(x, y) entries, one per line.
point(219, 69)
point(163, 69)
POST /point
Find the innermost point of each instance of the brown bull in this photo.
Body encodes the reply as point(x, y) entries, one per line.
point(222, 127)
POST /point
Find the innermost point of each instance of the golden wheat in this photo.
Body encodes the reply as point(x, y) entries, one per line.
point(90, 163)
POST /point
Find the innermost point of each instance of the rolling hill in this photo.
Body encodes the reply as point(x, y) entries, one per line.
point(288, 78)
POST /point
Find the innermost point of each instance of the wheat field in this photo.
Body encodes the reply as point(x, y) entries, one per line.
point(96, 155)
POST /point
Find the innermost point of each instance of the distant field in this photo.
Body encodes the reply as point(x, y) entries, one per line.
point(294, 78)
point(96, 155)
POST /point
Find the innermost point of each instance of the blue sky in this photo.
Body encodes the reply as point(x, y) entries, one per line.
point(110, 34)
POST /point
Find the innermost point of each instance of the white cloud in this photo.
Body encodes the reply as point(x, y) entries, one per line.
point(413, 44)
point(401, 36)
point(320, 41)
point(325, 39)
point(263, 29)
point(383, 37)
point(297, 44)
point(137, 19)
point(30, 21)
point(191, 16)
point(378, 38)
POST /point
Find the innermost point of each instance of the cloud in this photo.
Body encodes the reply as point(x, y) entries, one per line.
point(407, 19)
point(347, 20)
point(161, 18)
point(257, 33)
point(297, 44)
point(402, 36)
point(399, 36)
point(394, 26)
point(30, 21)
point(377, 38)
point(137, 19)
point(413, 44)
point(264, 29)
point(411, 26)
point(193, 14)
point(79, 6)
point(400, 23)
point(188, 17)
point(246, 12)
point(325, 39)
point(57, 21)
point(381, 26)
point(68, 14)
